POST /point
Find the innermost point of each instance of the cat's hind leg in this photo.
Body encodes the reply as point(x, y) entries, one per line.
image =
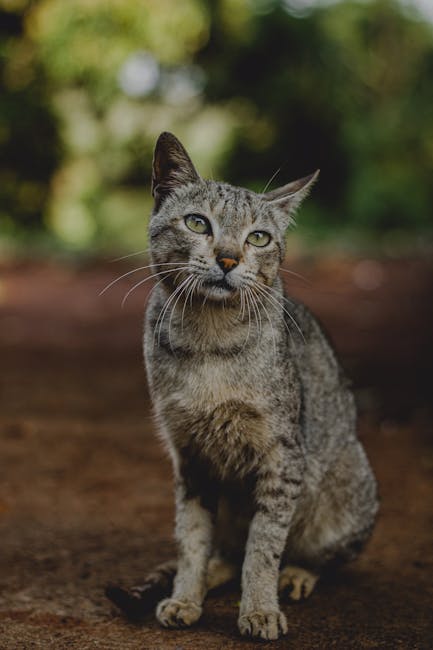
point(337, 519)
point(220, 572)
point(136, 602)
point(296, 583)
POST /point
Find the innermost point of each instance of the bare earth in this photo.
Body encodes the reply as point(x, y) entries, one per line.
point(86, 492)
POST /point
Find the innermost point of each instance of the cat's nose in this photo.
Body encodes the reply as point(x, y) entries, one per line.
point(226, 261)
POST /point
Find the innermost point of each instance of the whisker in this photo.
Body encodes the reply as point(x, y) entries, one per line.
point(184, 286)
point(150, 277)
point(204, 302)
point(197, 286)
point(154, 287)
point(272, 304)
point(249, 319)
point(270, 323)
point(124, 257)
point(257, 314)
point(179, 291)
point(242, 304)
point(140, 268)
point(190, 291)
point(165, 308)
point(161, 314)
point(274, 175)
point(297, 275)
point(270, 296)
point(249, 313)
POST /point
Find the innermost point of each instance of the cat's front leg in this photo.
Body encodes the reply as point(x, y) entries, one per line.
point(276, 494)
point(194, 539)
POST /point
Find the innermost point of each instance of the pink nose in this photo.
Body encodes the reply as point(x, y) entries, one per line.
point(226, 262)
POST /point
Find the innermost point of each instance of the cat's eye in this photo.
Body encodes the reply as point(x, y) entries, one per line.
point(259, 238)
point(198, 224)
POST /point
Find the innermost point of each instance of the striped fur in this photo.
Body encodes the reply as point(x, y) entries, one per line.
point(250, 401)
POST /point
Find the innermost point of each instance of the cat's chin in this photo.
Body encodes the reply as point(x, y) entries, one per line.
point(219, 295)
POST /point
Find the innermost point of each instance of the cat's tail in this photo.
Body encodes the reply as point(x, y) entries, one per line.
point(138, 601)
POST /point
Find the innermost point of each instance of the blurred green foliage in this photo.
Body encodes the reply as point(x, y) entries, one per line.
point(250, 86)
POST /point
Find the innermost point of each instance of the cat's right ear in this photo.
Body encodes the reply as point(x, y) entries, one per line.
point(289, 197)
point(172, 167)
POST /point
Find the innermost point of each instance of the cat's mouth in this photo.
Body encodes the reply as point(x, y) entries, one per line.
point(218, 289)
point(219, 284)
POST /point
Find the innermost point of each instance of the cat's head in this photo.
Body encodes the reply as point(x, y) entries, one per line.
point(222, 238)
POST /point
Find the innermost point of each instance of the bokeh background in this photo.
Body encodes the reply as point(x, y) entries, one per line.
point(250, 86)
point(260, 92)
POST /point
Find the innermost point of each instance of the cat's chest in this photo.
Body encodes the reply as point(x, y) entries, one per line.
point(202, 384)
point(216, 411)
point(231, 436)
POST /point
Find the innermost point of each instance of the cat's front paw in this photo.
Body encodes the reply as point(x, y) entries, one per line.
point(178, 613)
point(263, 625)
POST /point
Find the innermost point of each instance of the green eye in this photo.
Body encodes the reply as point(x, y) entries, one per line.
point(258, 238)
point(198, 224)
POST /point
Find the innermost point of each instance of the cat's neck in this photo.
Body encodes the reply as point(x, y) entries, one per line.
point(205, 325)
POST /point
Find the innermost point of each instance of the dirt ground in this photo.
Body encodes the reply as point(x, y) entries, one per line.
point(86, 492)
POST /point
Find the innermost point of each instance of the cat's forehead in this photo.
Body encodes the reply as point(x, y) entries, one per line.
point(229, 205)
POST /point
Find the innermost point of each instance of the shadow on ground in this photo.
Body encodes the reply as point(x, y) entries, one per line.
point(86, 493)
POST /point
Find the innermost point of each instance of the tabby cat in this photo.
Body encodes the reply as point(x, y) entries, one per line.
point(272, 484)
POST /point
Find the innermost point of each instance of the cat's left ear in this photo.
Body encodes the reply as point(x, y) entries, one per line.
point(289, 197)
point(172, 167)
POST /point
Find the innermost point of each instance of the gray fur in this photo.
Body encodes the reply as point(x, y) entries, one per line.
point(271, 480)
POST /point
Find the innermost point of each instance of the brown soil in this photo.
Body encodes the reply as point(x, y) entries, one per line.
point(86, 492)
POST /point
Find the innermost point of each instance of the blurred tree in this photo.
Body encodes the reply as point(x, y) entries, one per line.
point(92, 53)
point(29, 143)
point(249, 85)
point(348, 89)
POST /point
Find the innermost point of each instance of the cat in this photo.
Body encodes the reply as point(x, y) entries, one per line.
point(272, 484)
